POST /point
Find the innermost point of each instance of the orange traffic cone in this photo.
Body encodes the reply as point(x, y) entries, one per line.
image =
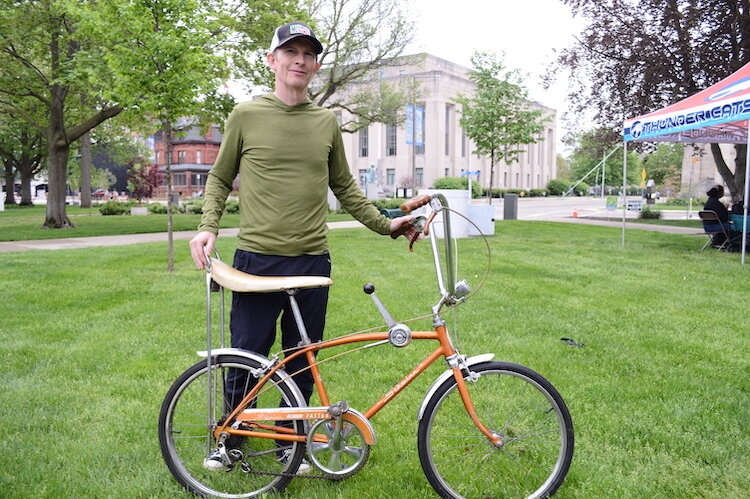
point(575, 213)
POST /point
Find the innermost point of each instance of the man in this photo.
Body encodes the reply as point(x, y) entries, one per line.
point(288, 151)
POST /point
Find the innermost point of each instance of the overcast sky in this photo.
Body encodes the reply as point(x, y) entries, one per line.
point(527, 31)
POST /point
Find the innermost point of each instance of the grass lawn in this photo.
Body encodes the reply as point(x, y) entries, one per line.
point(660, 393)
point(21, 223)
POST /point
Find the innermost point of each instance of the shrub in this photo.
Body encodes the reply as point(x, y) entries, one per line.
point(537, 193)
point(232, 207)
point(195, 205)
point(649, 214)
point(558, 186)
point(459, 183)
point(157, 208)
point(582, 189)
point(114, 208)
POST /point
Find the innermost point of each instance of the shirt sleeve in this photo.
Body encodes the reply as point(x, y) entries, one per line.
point(222, 174)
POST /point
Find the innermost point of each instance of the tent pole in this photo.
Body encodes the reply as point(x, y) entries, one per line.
point(747, 190)
point(624, 187)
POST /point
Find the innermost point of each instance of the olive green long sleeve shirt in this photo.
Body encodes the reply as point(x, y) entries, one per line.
point(286, 157)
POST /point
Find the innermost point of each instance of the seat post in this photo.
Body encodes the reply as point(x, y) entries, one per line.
point(298, 317)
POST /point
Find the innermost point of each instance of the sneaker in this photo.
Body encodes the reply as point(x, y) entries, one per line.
point(304, 466)
point(214, 462)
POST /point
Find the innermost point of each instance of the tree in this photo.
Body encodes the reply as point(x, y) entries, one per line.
point(143, 178)
point(22, 153)
point(636, 56)
point(498, 118)
point(589, 148)
point(175, 67)
point(359, 37)
point(664, 165)
point(45, 59)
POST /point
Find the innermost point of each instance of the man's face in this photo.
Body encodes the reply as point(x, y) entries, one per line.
point(294, 63)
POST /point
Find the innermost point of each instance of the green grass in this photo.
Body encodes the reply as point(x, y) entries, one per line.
point(660, 394)
point(21, 223)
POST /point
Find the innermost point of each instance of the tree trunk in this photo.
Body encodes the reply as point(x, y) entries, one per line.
point(85, 144)
point(726, 173)
point(58, 150)
point(739, 171)
point(492, 175)
point(10, 184)
point(26, 175)
point(167, 127)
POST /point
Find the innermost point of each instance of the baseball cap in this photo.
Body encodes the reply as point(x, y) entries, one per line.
point(289, 31)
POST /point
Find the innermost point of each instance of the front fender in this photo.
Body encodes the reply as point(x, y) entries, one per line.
point(477, 359)
point(265, 362)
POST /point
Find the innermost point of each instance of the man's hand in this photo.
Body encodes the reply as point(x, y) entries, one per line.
point(404, 226)
point(200, 246)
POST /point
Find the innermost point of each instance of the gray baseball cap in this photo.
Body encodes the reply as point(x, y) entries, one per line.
point(289, 31)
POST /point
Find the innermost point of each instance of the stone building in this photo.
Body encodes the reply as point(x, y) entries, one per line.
point(380, 152)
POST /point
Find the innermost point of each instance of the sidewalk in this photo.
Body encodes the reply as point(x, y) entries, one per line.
point(121, 240)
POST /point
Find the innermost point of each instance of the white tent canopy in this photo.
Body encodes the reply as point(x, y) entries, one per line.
point(718, 114)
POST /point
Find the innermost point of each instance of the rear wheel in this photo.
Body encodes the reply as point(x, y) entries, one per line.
point(186, 431)
point(515, 403)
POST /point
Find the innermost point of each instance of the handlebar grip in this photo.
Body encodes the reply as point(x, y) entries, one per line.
point(415, 203)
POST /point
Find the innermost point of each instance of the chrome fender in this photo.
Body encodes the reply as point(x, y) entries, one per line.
point(264, 361)
point(477, 359)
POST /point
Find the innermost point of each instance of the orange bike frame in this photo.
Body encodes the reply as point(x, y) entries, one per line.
point(445, 349)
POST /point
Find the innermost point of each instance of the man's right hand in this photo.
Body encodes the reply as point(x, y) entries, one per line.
point(200, 246)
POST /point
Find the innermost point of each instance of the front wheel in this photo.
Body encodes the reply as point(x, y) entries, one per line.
point(513, 402)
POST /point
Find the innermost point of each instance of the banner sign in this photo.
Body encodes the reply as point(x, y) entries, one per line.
point(415, 121)
point(717, 114)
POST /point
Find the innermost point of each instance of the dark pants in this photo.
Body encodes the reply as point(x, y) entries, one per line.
point(254, 315)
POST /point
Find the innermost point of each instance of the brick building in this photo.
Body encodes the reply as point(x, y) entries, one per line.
point(194, 151)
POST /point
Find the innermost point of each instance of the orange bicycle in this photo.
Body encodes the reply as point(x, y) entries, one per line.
point(236, 424)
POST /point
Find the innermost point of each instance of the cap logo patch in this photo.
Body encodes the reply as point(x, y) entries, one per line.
point(298, 29)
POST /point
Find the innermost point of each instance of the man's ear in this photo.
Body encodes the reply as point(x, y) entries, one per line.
point(271, 60)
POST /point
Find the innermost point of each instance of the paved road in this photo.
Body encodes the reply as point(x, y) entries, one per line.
point(591, 211)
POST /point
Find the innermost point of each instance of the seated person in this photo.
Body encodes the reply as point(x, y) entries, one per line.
point(715, 193)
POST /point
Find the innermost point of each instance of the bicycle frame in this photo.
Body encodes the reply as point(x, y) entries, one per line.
point(451, 294)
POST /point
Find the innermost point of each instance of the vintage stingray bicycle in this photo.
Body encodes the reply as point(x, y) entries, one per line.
point(486, 428)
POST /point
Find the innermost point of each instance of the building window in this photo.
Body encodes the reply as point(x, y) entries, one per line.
point(198, 180)
point(390, 140)
point(448, 122)
point(179, 179)
point(421, 123)
point(420, 177)
point(445, 172)
point(364, 139)
point(390, 176)
point(199, 157)
point(180, 157)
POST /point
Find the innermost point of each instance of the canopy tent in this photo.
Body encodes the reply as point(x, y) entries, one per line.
point(718, 114)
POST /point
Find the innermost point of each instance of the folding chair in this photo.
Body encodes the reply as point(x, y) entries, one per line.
point(713, 227)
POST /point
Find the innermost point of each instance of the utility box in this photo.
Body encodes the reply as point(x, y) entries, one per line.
point(510, 207)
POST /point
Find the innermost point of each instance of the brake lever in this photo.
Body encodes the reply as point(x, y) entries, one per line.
point(416, 225)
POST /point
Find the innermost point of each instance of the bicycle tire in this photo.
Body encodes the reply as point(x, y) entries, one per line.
point(186, 435)
point(518, 404)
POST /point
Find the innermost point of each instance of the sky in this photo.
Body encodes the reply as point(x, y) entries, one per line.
point(527, 31)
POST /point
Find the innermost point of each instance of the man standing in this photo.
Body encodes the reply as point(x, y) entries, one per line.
point(288, 151)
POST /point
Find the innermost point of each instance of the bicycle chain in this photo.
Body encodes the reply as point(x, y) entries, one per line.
point(250, 471)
